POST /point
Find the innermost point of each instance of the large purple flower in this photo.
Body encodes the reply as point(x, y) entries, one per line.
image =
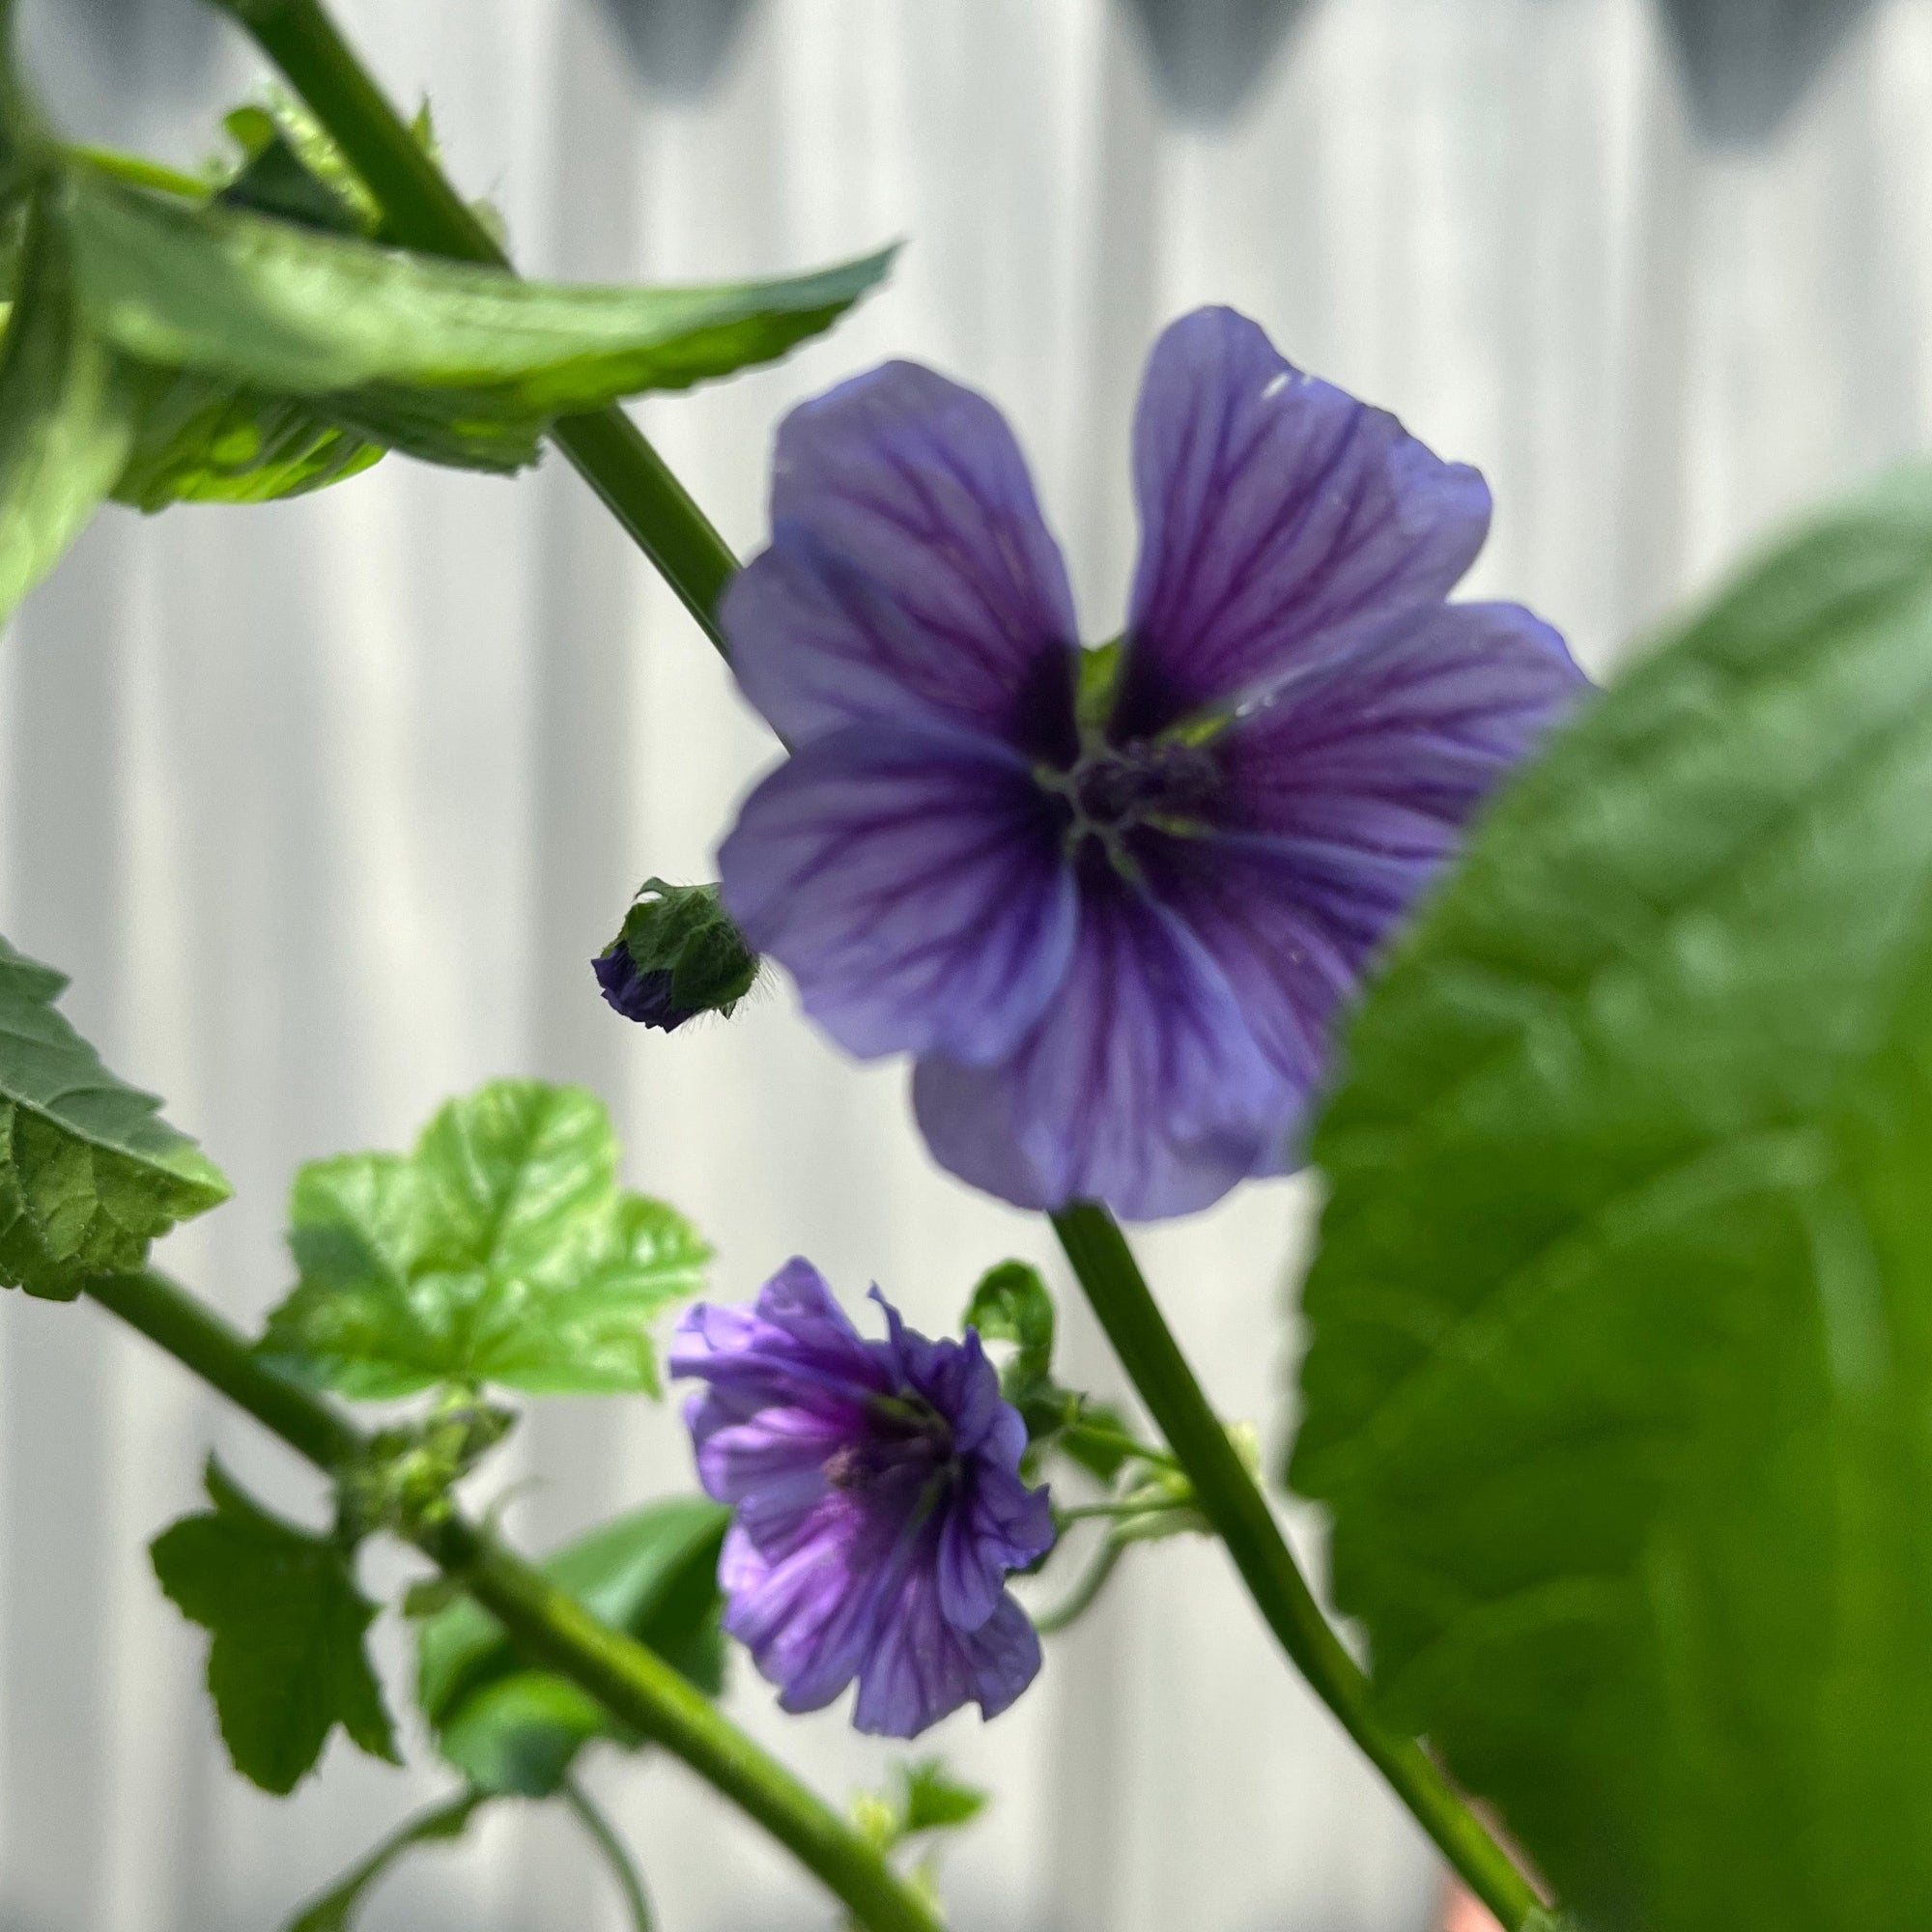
point(879, 1505)
point(1112, 904)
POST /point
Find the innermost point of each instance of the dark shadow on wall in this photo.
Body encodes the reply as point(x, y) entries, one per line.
point(678, 46)
point(1747, 64)
point(1210, 56)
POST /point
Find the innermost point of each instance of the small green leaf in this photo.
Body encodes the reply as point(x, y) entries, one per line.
point(1012, 1304)
point(336, 1909)
point(456, 361)
point(67, 417)
point(89, 1172)
point(501, 1251)
point(287, 1662)
point(934, 1801)
point(276, 179)
point(652, 1573)
point(1622, 1315)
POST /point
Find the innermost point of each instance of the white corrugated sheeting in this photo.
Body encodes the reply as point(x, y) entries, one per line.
point(326, 805)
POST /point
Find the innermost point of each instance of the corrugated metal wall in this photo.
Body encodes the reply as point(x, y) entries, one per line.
point(326, 805)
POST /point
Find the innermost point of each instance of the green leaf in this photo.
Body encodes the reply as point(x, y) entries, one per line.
point(652, 1573)
point(89, 1172)
point(200, 439)
point(66, 414)
point(287, 1662)
point(501, 1250)
point(336, 1909)
point(1012, 1304)
point(1623, 1311)
point(932, 1799)
point(519, 1735)
point(455, 361)
point(276, 179)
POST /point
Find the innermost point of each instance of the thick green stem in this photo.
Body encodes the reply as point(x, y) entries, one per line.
point(1240, 1513)
point(422, 211)
point(634, 1685)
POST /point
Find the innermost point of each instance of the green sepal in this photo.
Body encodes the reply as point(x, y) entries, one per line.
point(1010, 1304)
point(684, 934)
point(510, 1727)
point(286, 1663)
point(501, 1250)
point(90, 1173)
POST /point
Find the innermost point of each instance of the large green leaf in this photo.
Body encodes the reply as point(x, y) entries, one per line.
point(89, 1172)
point(66, 414)
point(286, 1664)
point(501, 1251)
point(456, 361)
point(1621, 1381)
point(508, 1727)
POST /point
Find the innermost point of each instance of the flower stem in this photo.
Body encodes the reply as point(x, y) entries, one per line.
point(1079, 1600)
point(617, 1853)
point(425, 213)
point(633, 1683)
point(1228, 1496)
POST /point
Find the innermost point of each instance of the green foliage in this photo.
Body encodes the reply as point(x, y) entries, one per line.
point(500, 1251)
point(508, 1727)
point(1012, 1304)
point(287, 1662)
point(934, 1801)
point(89, 1172)
point(453, 361)
point(1623, 1310)
point(336, 1909)
point(688, 952)
point(66, 413)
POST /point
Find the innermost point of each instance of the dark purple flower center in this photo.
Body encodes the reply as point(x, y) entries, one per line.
point(1112, 788)
point(907, 1441)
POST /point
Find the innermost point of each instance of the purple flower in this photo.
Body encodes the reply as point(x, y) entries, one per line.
point(1113, 916)
point(879, 1505)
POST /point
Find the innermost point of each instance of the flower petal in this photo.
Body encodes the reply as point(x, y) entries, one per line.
point(994, 1523)
point(914, 886)
point(921, 1668)
point(1279, 518)
point(1344, 797)
point(796, 1347)
point(1142, 1085)
point(910, 574)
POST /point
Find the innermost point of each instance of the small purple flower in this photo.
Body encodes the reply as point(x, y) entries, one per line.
point(879, 1505)
point(1114, 917)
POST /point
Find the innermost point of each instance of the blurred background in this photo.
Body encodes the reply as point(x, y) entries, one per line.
point(327, 806)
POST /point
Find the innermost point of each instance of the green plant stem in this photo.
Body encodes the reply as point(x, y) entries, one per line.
point(1079, 1600)
point(633, 1683)
point(617, 1853)
point(1228, 1496)
point(425, 213)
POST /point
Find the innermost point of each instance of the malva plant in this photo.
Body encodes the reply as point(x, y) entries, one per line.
point(1605, 1017)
